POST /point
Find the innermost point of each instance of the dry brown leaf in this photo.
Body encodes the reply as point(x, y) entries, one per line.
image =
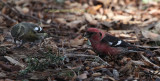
point(1, 38)
point(60, 20)
point(82, 28)
point(91, 52)
point(25, 10)
point(83, 76)
point(76, 42)
point(22, 10)
point(97, 7)
point(8, 80)
point(79, 40)
point(109, 13)
point(2, 75)
point(154, 12)
point(40, 15)
point(49, 21)
point(93, 9)
point(13, 61)
point(122, 17)
point(100, 17)
point(105, 2)
point(99, 67)
point(87, 68)
point(96, 74)
point(158, 58)
point(90, 19)
point(4, 10)
point(70, 17)
point(125, 35)
point(75, 23)
point(150, 35)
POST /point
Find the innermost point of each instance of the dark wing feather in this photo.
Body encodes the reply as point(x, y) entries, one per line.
point(114, 41)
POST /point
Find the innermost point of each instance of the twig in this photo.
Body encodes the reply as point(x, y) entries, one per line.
point(7, 17)
point(83, 55)
point(147, 60)
point(148, 47)
point(12, 8)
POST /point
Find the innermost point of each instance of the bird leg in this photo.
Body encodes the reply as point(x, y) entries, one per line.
point(21, 45)
point(15, 41)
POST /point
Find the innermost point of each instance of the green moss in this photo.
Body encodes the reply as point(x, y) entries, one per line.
point(41, 63)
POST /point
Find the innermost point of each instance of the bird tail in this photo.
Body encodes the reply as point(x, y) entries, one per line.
point(138, 49)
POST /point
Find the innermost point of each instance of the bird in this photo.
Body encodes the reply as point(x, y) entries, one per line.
point(105, 43)
point(27, 32)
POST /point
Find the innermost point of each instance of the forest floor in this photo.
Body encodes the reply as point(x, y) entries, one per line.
point(65, 54)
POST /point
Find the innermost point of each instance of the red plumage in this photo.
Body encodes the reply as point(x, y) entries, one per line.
point(107, 44)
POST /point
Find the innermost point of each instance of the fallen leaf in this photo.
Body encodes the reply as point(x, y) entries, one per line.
point(82, 76)
point(25, 10)
point(150, 35)
point(115, 74)
point(1, 38)
point(93, 9)
point(100, 17)
point(109, 13)
point(96, 74)
point(76, 42)
point(2, 75)
point(75, 23)
point(91, 52)
point(13, 61)
point(60, 20)
point(90, 19)
point(122, 17)
point(9, 80)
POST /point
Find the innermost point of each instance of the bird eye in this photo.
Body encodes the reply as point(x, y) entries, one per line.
point(100, 34)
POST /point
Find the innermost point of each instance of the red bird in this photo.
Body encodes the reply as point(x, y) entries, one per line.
point(107, 44)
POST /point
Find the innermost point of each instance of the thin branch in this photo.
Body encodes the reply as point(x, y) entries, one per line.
point(7, 17)
point(83, 55)
point(147, 60)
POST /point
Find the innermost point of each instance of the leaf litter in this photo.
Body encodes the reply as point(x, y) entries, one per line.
point(64, 54)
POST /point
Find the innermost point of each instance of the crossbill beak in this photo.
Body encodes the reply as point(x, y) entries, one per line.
point(88, 34)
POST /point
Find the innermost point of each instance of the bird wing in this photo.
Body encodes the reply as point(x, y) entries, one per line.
point(114, 41)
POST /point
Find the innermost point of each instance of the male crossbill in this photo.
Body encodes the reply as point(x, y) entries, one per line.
point(107, 44)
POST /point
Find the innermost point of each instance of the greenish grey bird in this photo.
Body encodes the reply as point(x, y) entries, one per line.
point(27, 32)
